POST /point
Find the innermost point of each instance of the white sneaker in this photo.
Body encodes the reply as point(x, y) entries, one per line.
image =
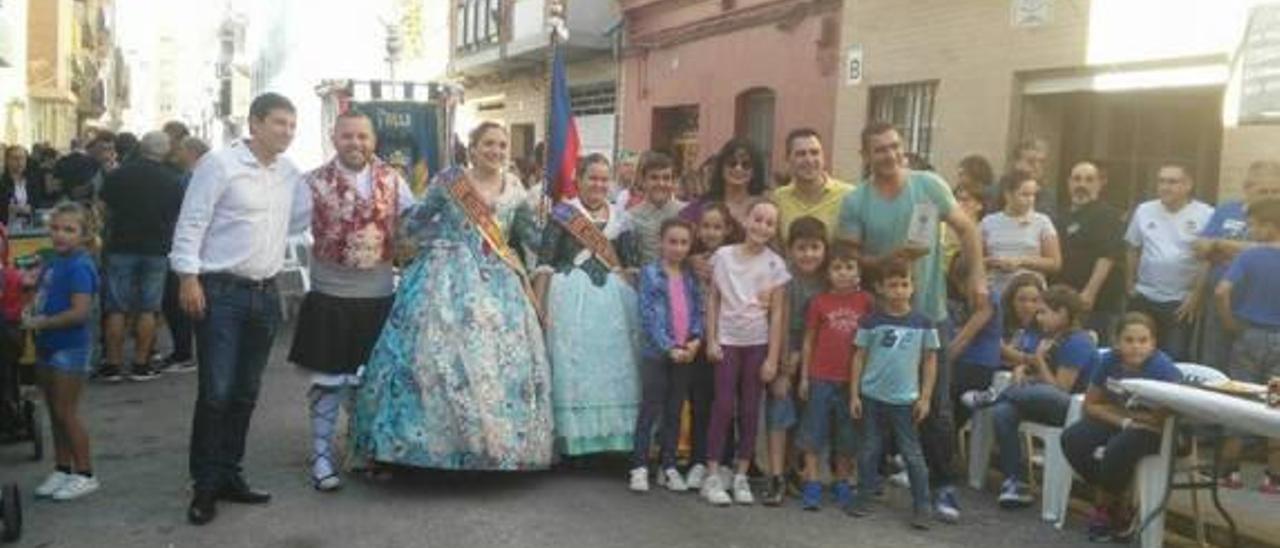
point(329, 483)
point(979, 399)
point(640, 480)
point(726, 477)
point(713, 491)
point(52, 484)
point(742, 490)
point(76, 487)
point(696, 476)
point(672, 480)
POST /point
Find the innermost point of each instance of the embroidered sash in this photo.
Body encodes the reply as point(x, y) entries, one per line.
point(585, 231)
point(477, 211)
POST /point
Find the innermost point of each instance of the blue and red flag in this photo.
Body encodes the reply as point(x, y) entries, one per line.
point(563, 147)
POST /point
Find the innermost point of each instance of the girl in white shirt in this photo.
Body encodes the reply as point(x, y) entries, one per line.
point(744, 334)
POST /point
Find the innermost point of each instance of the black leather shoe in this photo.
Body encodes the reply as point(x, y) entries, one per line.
point(239, 492)
point(203, 508)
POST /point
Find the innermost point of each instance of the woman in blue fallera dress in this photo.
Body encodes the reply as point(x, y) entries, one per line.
point(459, 378)
point(592, 328)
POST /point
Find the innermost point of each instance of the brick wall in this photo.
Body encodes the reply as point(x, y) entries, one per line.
point(980, 61)
point(668, 64)
point(525, 93)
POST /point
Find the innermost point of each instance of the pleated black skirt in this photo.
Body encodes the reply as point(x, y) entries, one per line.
point(335, 334)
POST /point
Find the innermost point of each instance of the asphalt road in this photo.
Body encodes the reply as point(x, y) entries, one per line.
point(140, 436)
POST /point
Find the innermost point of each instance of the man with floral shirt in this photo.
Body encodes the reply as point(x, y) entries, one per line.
point(352, 205)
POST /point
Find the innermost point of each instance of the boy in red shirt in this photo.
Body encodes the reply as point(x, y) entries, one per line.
point(830, 326)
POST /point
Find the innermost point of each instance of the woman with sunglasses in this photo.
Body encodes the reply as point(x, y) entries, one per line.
point(736, 178)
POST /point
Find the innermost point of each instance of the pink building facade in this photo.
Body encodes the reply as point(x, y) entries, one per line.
point(695, 74)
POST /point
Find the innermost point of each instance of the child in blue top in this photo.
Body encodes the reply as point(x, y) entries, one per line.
point(1016, 309)
point(60, 317)
point(974, 353)
point(671, 316)
point(1249, 305)
point(1041, 391)
point(891, 382)
point(1022, 300)
point(1127, 434)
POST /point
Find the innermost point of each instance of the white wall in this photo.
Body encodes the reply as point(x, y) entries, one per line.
point(171, 48)
point(1140, 30)
point(13, 79)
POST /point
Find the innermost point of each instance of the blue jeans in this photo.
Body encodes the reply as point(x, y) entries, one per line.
point(67, 361)
point(877, 417)
point(136, 283)
point(665, 384)
point(1036, 402)
point(233, 341)
point(826, 422)
point(181, 329)
point(938, 430)
point(780, 414)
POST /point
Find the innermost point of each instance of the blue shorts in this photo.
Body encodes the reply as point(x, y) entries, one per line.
point(70, 361)
point(826, 418)
point(779, 413)
point(135, 283)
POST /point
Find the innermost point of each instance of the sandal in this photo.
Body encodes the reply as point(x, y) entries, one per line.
point(326, 482)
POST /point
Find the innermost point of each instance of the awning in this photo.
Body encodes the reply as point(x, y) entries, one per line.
point(1115, 79)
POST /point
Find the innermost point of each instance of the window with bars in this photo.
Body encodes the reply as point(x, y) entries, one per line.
point(478, 24)
point(591, 99)
point(909, 107)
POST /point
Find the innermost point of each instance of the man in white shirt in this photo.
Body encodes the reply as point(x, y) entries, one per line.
point(1161, 266)
point(352, 206)
point(227, 249)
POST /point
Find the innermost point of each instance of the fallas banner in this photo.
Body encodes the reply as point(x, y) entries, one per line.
point(408, 138)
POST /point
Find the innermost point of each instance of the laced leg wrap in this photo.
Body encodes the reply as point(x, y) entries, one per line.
point(325, 403)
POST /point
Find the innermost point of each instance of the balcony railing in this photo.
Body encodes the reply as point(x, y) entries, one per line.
point(479, 24)
point(520, 28)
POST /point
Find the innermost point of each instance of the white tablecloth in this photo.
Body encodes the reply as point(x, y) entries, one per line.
point(1206, 406)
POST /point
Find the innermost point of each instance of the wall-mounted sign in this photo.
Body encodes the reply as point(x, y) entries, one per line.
point(853, 66)
point(1031, 13)
point(1260, 67)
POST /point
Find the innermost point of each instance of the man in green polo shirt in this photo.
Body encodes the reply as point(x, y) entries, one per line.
point(812, 192)
point(894, 216)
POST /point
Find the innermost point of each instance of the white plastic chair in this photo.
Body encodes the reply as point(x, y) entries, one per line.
point(297, 260)
point(1152, 478)
point(982, 436)
point(1058, 474)
point(1056, 494)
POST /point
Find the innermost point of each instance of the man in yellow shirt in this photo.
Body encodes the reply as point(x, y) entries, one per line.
point(812, 191)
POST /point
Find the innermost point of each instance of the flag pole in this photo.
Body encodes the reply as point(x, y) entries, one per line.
point(557, 14)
